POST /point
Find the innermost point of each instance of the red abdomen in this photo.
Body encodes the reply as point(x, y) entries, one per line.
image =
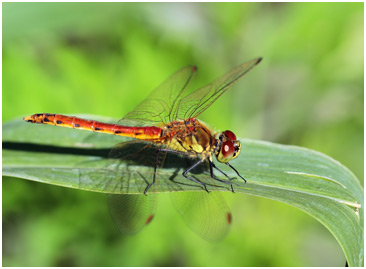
point(145, 133)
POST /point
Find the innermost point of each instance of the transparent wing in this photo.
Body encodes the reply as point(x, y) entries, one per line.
point(162, 104)
point(133, 163)
point(171, 100)
point(204, 213)
point(198, 101)
point(131, 212)
point(207, 214)
point(128, 169)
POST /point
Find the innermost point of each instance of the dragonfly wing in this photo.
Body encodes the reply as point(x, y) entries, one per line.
point(162, 103)
point(204, 213)
point(131, 212)
point(124, 176)
point(198, 101)
point(127, 169)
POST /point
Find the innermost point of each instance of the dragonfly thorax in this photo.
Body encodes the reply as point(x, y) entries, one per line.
point(189, 136)
point(227, 147)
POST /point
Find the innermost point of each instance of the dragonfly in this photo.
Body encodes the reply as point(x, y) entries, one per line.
point(166, 121)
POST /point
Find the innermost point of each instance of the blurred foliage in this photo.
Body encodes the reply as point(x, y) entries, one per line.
point(104, 58)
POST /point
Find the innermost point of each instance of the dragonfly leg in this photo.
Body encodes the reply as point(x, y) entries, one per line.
point(221, 180)
point(236, 172)
point(192, 179)
point(155, 167)
point(222, 172)
point(186, 171)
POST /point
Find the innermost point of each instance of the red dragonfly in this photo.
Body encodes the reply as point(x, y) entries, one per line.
point(167, 120)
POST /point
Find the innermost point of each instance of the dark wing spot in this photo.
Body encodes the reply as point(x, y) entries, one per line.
point(149, 219)
point(228, 217)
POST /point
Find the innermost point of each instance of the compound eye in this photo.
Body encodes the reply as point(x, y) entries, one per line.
point(230, 135)
point(226, 152)
point(227, 149)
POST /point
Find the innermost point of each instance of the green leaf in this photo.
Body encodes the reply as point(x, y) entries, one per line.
point(306, 179)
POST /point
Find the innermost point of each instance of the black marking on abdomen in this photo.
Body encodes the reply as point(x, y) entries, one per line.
point(46, 120)
point(58, 122)
point(117, 132)
point(76, 125)
point(97, 129)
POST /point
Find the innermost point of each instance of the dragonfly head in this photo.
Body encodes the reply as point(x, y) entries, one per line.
point(228, 147)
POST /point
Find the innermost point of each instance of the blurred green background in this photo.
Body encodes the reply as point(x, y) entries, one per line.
point(104, 58)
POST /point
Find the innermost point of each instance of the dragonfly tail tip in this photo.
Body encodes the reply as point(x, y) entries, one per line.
point(28, 119)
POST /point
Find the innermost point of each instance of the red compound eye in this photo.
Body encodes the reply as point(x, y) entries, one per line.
point(227, 149)
point(230, 135)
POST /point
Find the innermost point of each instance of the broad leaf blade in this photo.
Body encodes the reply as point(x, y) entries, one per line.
point(308, 180)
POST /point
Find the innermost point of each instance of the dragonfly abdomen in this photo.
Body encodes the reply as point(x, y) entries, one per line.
point(95, 126)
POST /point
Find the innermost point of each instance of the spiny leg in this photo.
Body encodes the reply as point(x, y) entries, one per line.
point(183, 174)
point(236, 172)
point(221, 180)
point(222, 172)
point(192, 179)
point(155, 167)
